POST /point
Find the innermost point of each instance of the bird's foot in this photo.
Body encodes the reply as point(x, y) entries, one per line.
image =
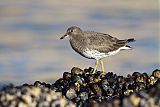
point(94, 71)
point(103, 72)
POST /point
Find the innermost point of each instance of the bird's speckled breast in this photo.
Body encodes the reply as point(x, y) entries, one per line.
point(79, 46)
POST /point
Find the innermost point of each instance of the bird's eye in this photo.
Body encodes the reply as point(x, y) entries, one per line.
point(71, 30)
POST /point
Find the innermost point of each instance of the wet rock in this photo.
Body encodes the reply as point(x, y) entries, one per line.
point(67, 76)
point(37, 83)
point(83, 96)
point(96, 89)
point(135, 100)
point(71, 93)
point(156, 73)
point(152, 80)
point(76, 71)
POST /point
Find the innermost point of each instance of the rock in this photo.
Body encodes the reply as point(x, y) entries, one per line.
point(71, 93)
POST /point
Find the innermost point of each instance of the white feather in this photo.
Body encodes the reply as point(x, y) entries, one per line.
point(98, 55)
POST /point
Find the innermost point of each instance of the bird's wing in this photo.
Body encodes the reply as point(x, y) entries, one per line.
point(103, 42)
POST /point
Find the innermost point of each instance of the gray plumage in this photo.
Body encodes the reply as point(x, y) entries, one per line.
point(99, 42)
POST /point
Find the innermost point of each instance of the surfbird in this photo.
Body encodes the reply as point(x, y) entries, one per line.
point(95, 45)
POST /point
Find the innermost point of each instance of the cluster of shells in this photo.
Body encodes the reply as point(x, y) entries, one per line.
point(37, 95)
point(91, 90)
point(82, 88)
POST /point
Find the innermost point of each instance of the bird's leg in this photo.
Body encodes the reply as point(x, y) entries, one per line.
point(102, 65)
point(95, 68)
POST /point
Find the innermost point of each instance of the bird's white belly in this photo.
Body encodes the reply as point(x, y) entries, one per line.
point(94, 54)
point(98, 55)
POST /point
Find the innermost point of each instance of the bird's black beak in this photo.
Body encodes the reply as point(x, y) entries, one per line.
point(64, 36)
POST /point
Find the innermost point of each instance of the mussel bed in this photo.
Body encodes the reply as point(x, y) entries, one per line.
point(82, 88)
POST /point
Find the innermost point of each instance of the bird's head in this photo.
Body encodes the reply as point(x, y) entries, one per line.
point(71, 31)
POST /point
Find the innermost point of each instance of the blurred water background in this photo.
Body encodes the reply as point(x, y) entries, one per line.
point(30, 48)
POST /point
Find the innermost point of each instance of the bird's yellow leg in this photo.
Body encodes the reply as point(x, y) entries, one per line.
point(95, 68)
point(102, 65)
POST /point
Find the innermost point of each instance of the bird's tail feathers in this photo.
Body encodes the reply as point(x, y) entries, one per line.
point(126, 47)
point(131, 40)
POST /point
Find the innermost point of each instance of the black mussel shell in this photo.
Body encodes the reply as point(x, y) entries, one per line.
point(77, 71)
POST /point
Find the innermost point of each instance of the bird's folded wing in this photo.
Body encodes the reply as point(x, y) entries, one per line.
point(104, 42)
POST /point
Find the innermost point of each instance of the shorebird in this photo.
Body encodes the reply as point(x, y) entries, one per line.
point(95, 45)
